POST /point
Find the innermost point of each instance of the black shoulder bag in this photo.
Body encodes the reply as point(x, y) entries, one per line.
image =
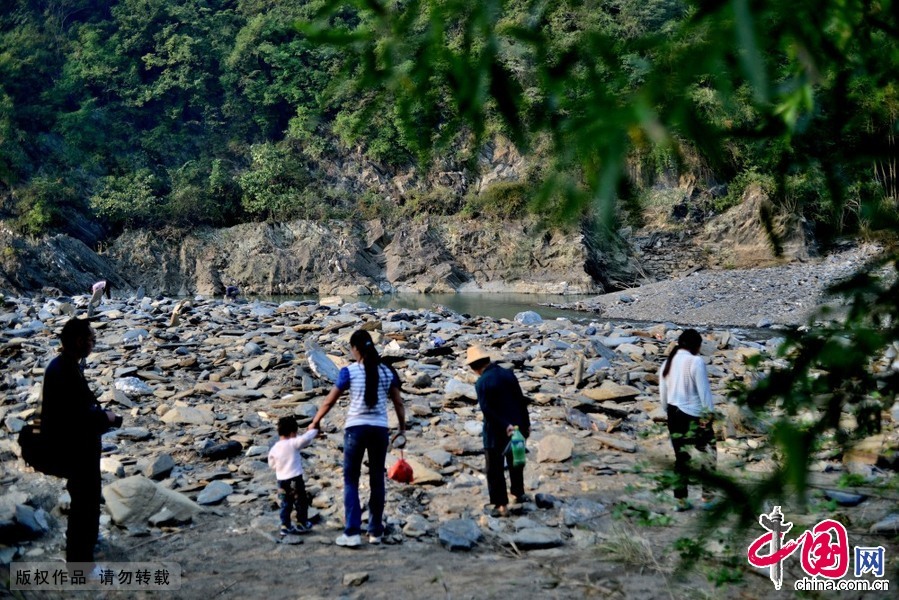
point(38, 454)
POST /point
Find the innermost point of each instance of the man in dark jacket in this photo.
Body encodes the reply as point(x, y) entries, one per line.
point(504, 408)
point(72, 423)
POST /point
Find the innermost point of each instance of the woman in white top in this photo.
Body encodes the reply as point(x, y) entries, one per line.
point(687, 397)
point(370, 384)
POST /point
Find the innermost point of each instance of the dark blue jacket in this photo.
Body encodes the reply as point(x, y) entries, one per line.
point(72, 420)
point(502, 403)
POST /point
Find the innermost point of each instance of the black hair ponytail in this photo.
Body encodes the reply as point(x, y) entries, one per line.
point(689, 340)
point(361, 341)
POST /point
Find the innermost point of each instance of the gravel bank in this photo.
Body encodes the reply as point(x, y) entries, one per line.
point(782, 295)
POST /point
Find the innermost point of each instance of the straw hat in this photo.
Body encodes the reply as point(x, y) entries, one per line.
point(474, 354)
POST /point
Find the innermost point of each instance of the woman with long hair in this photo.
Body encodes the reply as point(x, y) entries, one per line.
point(370, 383)
point(687, 397)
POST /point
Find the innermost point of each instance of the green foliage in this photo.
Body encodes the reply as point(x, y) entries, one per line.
point(641, 515)
point(436, 201)
point(129, 198)
point(42, 203)
point(274, 184)
point(501, 200)
point(372, 206)
point(102, 88)
point(738, 186)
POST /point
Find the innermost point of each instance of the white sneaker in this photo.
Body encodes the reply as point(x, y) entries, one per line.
point(374, 540)
point(350, 541)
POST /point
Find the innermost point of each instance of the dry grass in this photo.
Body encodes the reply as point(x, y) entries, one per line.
point(624, 545)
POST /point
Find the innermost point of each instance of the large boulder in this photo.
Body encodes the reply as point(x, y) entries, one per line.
point(188, 415)
point(134, 501)
point(554, 448)
point(459, 534)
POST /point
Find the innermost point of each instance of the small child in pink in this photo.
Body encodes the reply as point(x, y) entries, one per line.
point(285, 459)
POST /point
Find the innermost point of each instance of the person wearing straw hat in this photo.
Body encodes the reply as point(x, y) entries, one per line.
point(504, 407)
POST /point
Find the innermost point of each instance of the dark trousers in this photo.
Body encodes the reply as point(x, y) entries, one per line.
point(292, 495)
point(496, 479)
point(357, 441)
point(685, 431)
point(84, 514)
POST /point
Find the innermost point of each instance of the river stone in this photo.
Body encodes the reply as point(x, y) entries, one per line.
point(188, 415)
point(473, 427)
point(844, 498)
point(614, 342)
point(422, 381)
point(262, 311)
point(219, 451)
point(609, 390)
point(323, 367)
point(14, 424)
point(865, 451)
point(459, 389)
point(631, 350)
point(31, 523)
point(528, 317)
point(253, 468)
point(581, 511)
point(578, 419)
point(132, 386)
point(214, 493)
point(416, 526)
point(134, 434)
point(252, 349)
point(355, 579)
point(160, 467)
point(463, 446)
point(135, 335)
point(110, 464)
point(554, 448)
point(537, 538)
point(439, 457)
point(889, 524)
point(595, 366)
point(257, 451)
point(459, 534)
point(546, 500)
point(133, 500)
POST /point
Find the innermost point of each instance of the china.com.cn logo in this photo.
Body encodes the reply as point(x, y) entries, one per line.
point(824, 553)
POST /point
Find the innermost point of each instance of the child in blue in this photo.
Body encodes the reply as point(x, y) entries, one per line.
point(285, 459)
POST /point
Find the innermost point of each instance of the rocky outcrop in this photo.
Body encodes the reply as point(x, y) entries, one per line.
point(432, 255)
point(355, 174)
point(56, 264)
point(740, 238)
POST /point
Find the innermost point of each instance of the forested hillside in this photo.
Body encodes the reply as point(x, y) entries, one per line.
point(121, 113)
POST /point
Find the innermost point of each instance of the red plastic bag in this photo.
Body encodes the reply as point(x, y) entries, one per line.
point(400, 471)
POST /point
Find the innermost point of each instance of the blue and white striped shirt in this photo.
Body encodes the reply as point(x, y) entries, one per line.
point(353, 378)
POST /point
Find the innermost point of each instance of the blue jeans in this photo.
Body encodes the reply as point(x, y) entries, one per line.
point(292, 494)
point(357, 441)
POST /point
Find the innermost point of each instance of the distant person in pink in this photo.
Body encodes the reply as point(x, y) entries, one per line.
point(97, 297)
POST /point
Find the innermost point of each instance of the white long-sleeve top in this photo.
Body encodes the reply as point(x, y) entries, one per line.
point(284, 457)
point(687, 385)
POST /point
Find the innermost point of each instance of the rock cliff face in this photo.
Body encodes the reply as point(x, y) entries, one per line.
point(54, 264)
point(433, 255)
point(735, 239)
point(436, 254)
point(739, 238)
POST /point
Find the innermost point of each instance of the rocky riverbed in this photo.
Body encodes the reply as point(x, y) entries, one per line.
point(202, 385)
